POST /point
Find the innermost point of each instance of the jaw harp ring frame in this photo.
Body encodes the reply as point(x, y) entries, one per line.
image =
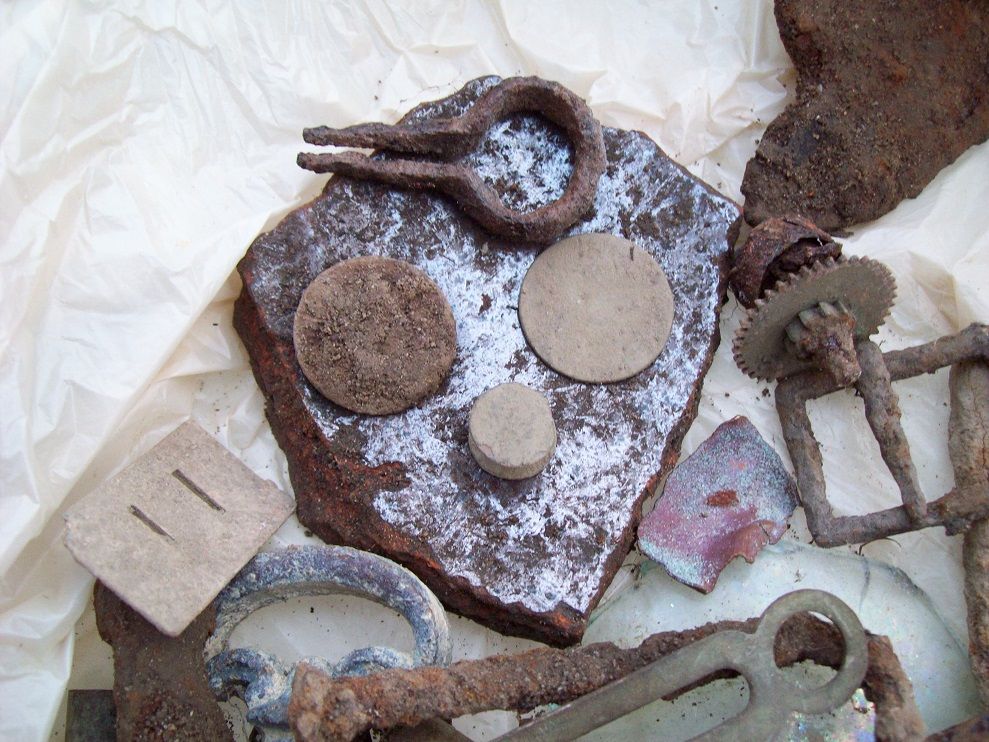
point(451, 139)
point(262, 680)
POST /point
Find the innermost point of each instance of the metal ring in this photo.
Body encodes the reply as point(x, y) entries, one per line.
point(264, 682)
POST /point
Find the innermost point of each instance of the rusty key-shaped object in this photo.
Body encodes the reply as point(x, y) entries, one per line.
point(773, 697)
point(451, 139)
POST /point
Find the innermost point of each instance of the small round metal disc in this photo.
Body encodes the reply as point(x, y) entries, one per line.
point(375, 335)
point(596, 308)
point(511, 431)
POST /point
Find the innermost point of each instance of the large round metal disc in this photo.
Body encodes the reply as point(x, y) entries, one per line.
point(374, 335)
point(596, 308)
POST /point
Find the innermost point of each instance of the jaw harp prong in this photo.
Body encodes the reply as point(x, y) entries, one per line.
point(449, 140)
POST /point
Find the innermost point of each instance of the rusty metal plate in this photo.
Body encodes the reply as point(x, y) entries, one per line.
point(529, 557)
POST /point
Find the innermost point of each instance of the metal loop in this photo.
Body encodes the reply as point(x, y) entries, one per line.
point(849, 676)
point(450, 139)
point(260, 679)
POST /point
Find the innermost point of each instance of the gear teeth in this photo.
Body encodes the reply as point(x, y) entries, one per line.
point(757, 347)
point(738, 342)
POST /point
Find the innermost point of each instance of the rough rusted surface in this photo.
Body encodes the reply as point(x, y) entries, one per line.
point(451, 139)
point(375, 335)
point(887, 685)
point(160, 687)
point(323, 708)
point(887, 95)
point(729, 498)
point(775, 249)
point(968, 445)
point(972, 730)
point(956, 510)
point(825, 335)
point(530, 557)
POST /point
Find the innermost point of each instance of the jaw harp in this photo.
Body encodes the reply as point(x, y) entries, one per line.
point(773, 698)
point(449, 140)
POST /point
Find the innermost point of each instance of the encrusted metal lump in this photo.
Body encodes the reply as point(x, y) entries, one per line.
point(887, 94)
point(375, 335)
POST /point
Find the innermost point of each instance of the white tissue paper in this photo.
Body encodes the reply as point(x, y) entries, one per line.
point(143, 147)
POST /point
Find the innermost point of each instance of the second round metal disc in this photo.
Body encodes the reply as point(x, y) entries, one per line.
point(596, 308)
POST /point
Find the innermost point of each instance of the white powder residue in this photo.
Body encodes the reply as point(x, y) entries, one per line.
point(541, 542)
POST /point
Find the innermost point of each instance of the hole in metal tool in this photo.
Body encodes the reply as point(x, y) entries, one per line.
point(197, 491)
point(141, 516)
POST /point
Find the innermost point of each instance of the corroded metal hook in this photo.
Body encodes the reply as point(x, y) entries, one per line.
point(453, 138)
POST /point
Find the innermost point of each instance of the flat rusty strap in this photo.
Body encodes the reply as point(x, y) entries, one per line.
point(451, 139)
point(955, 510)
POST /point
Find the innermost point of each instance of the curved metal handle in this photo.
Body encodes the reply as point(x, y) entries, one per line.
point(453, 138)
point(264, 682)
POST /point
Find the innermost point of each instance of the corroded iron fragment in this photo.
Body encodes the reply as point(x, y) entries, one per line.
point(971, 730)
point(968, 446)
point(262, 680)
point(775, 249)
point(90, 716)
point(887, 95)
point(956, 511)
point(451, 139)
point(729, 498)
point(159, 687)
point(324, 708)
point(529, 557)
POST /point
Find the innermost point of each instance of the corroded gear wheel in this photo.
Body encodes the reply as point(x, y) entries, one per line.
point(866, 287)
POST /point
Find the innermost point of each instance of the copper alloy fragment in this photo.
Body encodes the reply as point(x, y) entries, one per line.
point(729, 498)
point(325, 708)
point(450, 139)
point(956, 510)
